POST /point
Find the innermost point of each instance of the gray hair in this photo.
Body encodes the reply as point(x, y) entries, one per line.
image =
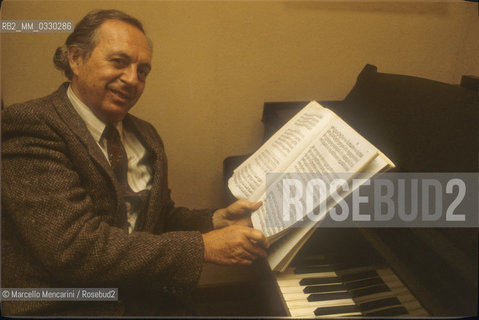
point(84, 36)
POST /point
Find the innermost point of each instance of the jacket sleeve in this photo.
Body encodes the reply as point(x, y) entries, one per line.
point(180, 218)
point(53, 216)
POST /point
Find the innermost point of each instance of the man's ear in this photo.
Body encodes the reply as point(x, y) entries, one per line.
point(74, 59)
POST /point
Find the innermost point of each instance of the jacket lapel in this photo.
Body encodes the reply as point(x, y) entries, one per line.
point(148, 220)
point(77, 126)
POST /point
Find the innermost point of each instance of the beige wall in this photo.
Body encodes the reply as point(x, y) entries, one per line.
point(215, 63)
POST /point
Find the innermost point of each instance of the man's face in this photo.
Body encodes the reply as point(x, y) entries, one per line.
point(112, 79)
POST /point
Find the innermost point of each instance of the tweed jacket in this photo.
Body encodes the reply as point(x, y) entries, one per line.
point(64, 220)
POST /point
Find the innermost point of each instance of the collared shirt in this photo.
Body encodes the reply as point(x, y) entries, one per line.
point(139, 172)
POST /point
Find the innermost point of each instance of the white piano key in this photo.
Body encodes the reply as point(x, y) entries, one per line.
point(300, 295)
point(294, 283)
point(300, 289)
point(304, 312)
point(330, 287)
point(291, 289)
point(294, 296)
point(300, 276)
point(303, 303)
point(309, 313)
point(350, 314)
point(307, 309)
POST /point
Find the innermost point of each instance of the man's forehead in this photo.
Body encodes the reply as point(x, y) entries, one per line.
point(121, 36)
point(120, 30)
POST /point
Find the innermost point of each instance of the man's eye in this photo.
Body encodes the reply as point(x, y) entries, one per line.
point(119, 62)
point(142, 73)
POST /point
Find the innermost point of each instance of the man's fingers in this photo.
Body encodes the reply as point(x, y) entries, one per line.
point(234, 245)
point(243, 207)
point(253, 206)
point(255, 250)
point(256, 237)
point(247, 255)
point(244, 221)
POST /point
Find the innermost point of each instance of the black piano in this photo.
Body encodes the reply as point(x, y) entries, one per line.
point(423, 126)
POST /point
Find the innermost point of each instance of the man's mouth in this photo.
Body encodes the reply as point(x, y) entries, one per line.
point(120, 94)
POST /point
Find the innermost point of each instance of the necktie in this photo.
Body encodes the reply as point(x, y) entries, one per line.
point(117, 156)
point(135, 201)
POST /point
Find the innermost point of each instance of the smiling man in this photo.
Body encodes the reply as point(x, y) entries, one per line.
point(85, 198)
point(112, 78)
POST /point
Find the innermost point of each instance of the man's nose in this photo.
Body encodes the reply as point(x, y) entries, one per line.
point(130, 75)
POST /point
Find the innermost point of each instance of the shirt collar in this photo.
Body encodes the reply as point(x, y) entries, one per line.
point(93, 123)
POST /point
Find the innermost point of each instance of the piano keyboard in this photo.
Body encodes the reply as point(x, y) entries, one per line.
point(323, 291)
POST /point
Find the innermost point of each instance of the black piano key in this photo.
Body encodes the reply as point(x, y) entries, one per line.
point(364, 283)
point(324, 311)
point(328, 288)
point(381, 303)
point(313, 269)
point(370, 290)
point(359, 276)
point(329, 296)
point(395, 311)
point(313, 281)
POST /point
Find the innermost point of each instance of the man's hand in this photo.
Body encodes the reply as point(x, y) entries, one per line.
point(234, 245)
point(236, 213)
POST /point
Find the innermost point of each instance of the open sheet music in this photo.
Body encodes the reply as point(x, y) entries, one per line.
point(314, 142)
